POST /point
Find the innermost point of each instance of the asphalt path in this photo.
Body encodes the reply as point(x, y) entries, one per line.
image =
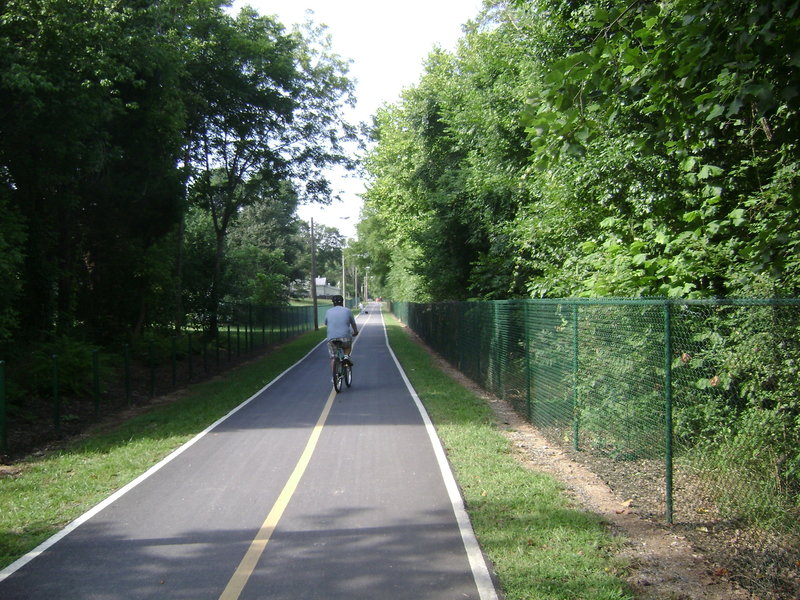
point(300, 493)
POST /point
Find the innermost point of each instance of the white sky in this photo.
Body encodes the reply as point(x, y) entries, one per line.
point(388, 41)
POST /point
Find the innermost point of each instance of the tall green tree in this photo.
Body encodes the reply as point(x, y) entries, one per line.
point(447, 167)
point(265, 251)
point(711, 89)
point(272, 114)
point(89, 131)
point(328, 244)
point(12, 240)
point(596, 148)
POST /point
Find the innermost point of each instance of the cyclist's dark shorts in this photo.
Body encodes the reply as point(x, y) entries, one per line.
point(346, 342)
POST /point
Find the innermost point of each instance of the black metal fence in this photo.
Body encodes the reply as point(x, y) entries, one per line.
point(50, 391)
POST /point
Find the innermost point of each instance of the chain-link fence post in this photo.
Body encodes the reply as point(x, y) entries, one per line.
point(174, 359)
point(127, 368)
point(151, 357)
point(249, 337)
point(478, 352)
point(497, 375)
point(527, 333)
point(576, 415)
point(96, 381)
point(668, 406)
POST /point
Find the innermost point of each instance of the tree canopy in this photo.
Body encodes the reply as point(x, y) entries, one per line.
point(595, 148)
point(128, 129)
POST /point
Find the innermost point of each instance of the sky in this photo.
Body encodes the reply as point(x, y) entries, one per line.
point(388, 41)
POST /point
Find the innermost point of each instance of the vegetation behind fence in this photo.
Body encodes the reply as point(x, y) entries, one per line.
point(688, 408)
point(56, 387)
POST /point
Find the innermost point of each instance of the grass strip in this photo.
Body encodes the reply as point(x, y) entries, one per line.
point(44, 493)
point(541, 544)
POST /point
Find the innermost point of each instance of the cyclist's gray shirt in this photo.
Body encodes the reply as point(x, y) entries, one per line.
point(339, 321)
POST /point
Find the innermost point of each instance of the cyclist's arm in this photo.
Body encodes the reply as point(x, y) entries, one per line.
point(353, 325)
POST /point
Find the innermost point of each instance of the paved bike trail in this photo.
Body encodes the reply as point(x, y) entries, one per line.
point(298, 494)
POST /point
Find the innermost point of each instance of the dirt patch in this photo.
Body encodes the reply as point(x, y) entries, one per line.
point(664, 563)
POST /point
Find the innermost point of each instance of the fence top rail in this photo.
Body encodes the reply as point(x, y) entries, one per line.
point(633, 301)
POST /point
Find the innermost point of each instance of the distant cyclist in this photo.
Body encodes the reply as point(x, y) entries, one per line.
point(340, 321)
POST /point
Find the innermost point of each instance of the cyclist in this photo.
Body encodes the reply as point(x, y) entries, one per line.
point(340, 321)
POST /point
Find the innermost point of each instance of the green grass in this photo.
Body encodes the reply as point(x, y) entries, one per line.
point(305, 302)
point(542, 546)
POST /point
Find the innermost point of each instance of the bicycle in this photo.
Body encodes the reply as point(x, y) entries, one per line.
point(342, 368)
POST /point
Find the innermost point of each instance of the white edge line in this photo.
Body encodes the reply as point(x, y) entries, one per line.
point(480, 570)
point(22, 561)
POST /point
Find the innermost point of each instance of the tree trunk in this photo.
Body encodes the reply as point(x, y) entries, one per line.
point(180, 315)
point(37, 299)
point(213, 322)
point(179, 311)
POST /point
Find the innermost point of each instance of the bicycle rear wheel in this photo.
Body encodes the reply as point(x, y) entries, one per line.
point(337, 375)
point(348, 375)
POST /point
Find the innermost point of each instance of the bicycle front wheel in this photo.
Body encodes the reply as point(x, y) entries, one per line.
point(348, 375)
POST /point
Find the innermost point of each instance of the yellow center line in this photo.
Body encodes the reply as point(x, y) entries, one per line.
point(245, 569)
point(257, 546)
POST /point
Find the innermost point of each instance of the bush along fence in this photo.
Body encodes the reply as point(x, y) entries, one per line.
point(689, 409)
point(59, 386)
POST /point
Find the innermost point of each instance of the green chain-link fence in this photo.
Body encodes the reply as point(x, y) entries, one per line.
point(690, 409)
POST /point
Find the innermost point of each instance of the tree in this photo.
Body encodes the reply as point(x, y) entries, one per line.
point(12, 239)
point(556, 152)
point(90, 130)
point(711, 88)
point(594, 148)
point(110, 109)
point(447, 168)
point(264, 250)
point(328, 245)
point(272, 115)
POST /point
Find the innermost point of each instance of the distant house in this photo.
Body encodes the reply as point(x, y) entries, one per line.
point(324, 290)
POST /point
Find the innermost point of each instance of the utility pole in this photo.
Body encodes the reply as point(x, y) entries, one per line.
point(314, 276)
point(344, 293)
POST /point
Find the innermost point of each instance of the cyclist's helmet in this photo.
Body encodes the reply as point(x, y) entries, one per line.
point(337, 300)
